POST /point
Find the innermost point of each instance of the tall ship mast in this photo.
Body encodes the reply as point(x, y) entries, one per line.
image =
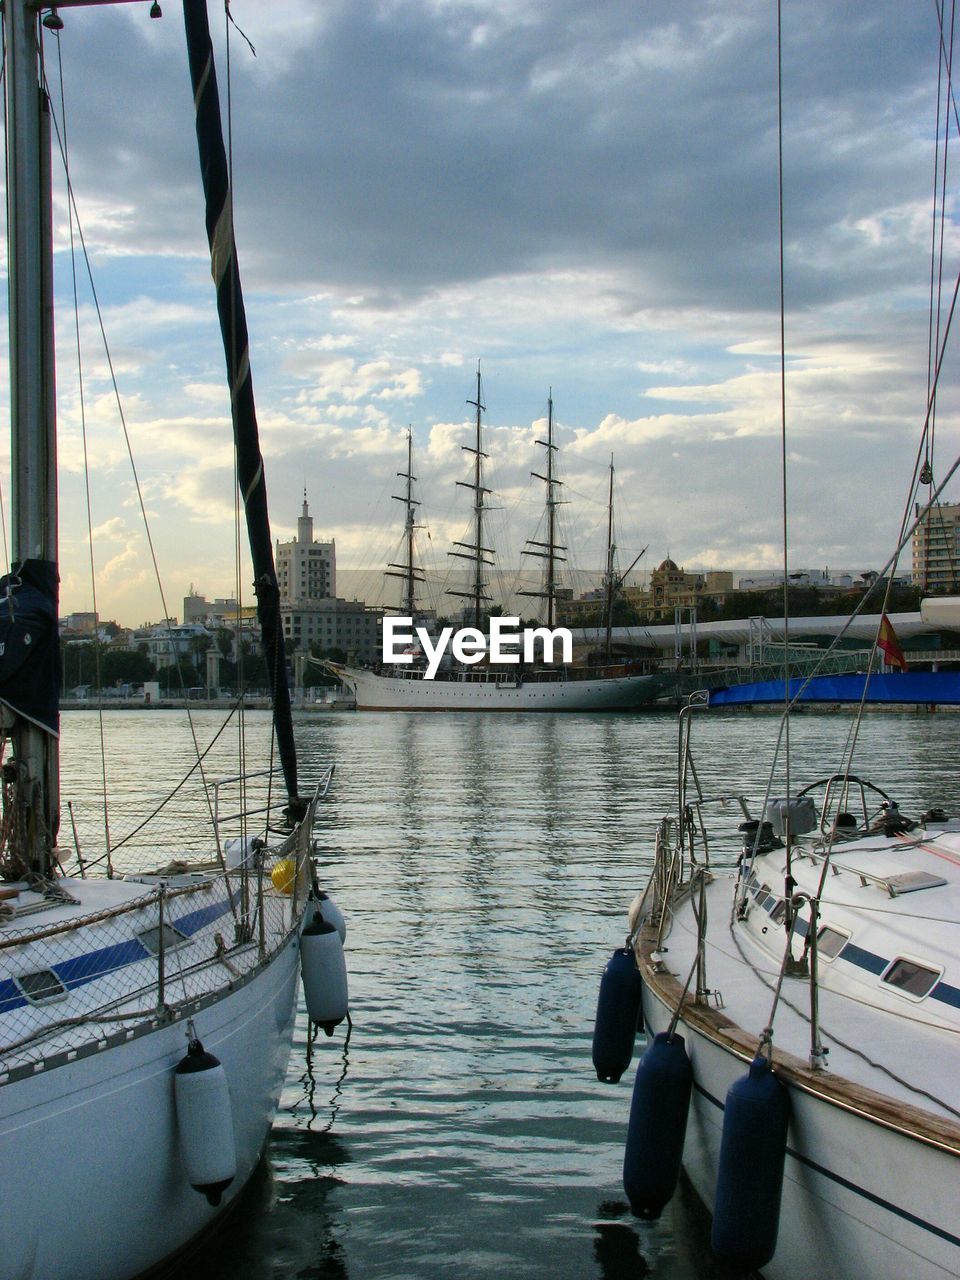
point(548, 551)
point(612, 581)
point(475, 552)
point(409, 571)
point(609, 583)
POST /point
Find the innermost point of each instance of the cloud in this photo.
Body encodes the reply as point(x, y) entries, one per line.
point(583, 198)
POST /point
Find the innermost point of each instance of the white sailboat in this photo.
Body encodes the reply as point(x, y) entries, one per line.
point(828, 959)
point(145, 1019)
point(615, 686)
point(802, 1004)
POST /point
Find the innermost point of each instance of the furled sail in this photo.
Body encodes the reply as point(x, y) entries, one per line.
point(233, 326)
point(29, 644)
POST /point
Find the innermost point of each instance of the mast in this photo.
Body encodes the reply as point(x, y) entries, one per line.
point(610, 577)
point(548, 551)
point(233, 327)
point(408, 571)
point(479, 556)
point(31, 589)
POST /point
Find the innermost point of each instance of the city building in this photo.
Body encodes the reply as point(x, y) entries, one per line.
point(79, 625)
point(197, 608)
point(822, 579)
point(165, 643)
point(672, 588)
point(935, 548)
point(306, 569)
point(313, 616)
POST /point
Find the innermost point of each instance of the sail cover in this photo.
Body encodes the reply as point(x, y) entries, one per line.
point(29, 644)
point(233, 326)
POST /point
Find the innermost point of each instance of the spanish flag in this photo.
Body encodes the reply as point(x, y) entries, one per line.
point(889, 645)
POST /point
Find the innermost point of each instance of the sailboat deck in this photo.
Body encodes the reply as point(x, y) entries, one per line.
point(890, 1054)
point(104, 959)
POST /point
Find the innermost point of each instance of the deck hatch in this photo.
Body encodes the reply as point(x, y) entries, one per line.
point(912, 881)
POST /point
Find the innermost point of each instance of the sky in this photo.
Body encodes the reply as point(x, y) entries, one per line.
point(582, 198)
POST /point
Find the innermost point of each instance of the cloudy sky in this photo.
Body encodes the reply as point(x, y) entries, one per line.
point(581, 196)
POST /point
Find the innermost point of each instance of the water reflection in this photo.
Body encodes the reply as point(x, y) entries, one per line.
point(485, 865)
point(305, 1109)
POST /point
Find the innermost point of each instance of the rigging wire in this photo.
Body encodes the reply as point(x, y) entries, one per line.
point(6, 187)
point(86, 470)
point(783, 429)
point(237, 512)
point(71, 198)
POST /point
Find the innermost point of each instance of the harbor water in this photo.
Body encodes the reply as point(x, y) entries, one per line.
point(485, 865)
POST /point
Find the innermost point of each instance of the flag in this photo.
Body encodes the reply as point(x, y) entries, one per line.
point(889, 645)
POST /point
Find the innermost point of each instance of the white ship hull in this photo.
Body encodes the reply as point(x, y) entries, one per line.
point(859, 1199)
point(378, 692)
point(127, 1204)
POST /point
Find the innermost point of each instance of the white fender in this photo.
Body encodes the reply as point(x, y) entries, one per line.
point(324, 972)
point(205, 1122)
point(331, 913)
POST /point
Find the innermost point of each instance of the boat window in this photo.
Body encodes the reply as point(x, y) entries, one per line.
point(830, 942)
point(915, 979)
point(171, 938)
point(41, 986)
point(779, 911)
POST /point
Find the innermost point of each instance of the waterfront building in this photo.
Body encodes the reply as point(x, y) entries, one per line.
point(312, 614)
point(166, 642)
point(935, 548)
point(306, 569)
point(197, 608)
point(673, 588)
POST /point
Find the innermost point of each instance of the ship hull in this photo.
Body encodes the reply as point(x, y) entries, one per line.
point(377, 692)
point(100, 1135)
point(859, 1198)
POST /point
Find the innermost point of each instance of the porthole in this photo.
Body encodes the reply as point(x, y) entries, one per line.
point(41, 987)
point(912, 978)
point(830, 942)
point(171, 938)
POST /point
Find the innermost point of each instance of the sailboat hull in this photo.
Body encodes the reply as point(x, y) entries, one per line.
point(869, 1188)
point(375, 692)
point(125, 1205)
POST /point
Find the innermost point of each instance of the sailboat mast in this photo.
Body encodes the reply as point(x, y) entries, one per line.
point(475, 551)
point(478, 583)
point(551, 520)
point(549, 550)
point(233, 327)
point(408, 571)
point(409, 601)
point(611, 549)
point(32, 405)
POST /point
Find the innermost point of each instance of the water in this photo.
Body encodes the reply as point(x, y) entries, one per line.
point(485, 864)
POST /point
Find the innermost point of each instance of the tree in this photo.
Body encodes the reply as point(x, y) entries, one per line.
point(175, 678)
point(125, 666)
point(79, 664)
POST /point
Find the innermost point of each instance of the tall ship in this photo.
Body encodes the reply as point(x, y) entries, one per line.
point(615, 685)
